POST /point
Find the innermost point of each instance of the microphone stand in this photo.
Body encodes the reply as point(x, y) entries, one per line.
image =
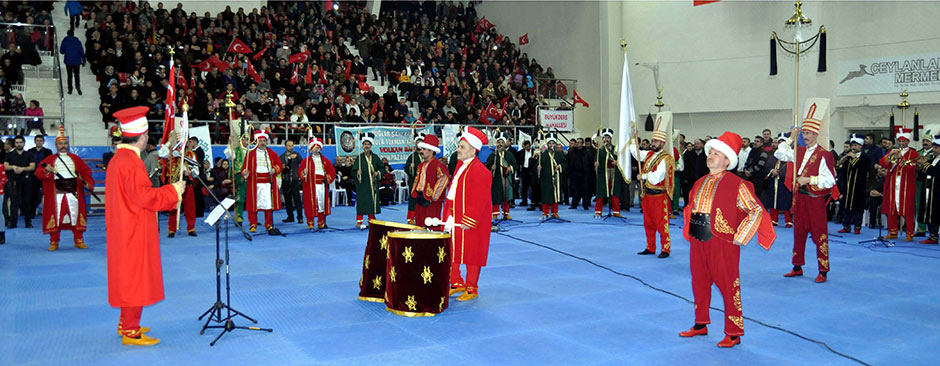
point(215, 311)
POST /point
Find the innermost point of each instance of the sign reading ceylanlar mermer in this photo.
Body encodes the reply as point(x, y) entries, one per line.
point(889, 75)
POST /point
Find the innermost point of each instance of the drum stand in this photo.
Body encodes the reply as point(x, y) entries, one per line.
point(215, 311)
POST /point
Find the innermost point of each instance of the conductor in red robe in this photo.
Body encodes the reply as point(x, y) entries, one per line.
point(722, 215)
point(64, 177)
point(430, 182)
point(316, 173)
point(135, 276)
point(900, 186)
point(467, 213)
point(261, 167)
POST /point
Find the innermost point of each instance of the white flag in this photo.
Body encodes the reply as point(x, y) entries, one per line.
point(627, 115)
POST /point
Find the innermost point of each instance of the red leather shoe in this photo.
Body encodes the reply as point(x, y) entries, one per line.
point(728, 342)
point(928, 241)
point(857, 231)
point(820, 278)
point(692, 332)
point(843, 231)
point(794, 273)
point(789, 224)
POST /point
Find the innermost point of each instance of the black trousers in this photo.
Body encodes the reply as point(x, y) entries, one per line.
point(851, 218)
point(577, 188)
point(73, 70)
point(529, 191)
point(73, 21)
point(20, 202)
point(874, 211)
point(291, 191)
point(36, 193)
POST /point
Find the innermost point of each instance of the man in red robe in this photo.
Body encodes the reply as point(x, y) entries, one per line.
point(135, 277)
point(430, 181)
point(316, 173)
point(171, 173)
point(722, 215)
point(815, 181)
point(657, 179)
point(467, 212)
point(64, 176)
point(900, 186)
point(261, 167)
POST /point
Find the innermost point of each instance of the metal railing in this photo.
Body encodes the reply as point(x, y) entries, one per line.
point(556, 88)
point(43, 42)
point(283, 131)
point(24, 125)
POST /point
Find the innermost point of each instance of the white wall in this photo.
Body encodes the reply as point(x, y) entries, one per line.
point(714, 59)
point(563, 36)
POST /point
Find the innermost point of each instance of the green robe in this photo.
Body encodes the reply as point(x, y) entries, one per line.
point(501, 190)
point(411, 169)
point(240, 184)
point(367, 171)
point(551, 181)
point(609, 180)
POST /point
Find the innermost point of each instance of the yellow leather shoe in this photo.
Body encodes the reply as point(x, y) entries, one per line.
point(411, 221)
point(309, 226)
point(616, 214)
point(140, 340)
point(555, 216)
point(53, 246)
point(909, 237)
point(457, 290)
point(321, 225)
point(80, 244)
point(252, 229)
point(467, 296)
point(507, 217)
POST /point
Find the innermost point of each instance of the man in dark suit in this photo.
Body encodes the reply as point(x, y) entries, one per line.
point(695, 167)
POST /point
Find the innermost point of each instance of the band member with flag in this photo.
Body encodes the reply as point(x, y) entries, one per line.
point(900, 185)
point(411, 168)
point(610, 181)
point(657, 176)
point(502, 165)
point(261, 167)
point(815, 180)
point(64, 177)
point(777, 195)
point(171, 173)
point(722, 215)
point(467, 210)
point(316, 173)
point(368, 169)
point(853, 171)
point(238, 161)
point(551, 165)
point(928, 171)
point(135, 276)
point(431, 181)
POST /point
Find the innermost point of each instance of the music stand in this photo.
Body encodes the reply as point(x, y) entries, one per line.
point(610, 213)
point(215, 311)
point(880, 239)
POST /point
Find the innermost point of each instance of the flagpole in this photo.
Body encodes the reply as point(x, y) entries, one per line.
point(182, 163)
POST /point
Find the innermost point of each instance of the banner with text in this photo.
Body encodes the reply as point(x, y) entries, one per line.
point(393, 143)
point(562, 119)
point(201, 133)
point(889, 75)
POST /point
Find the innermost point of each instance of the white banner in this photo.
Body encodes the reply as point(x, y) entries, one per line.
point(202, 134)
point(562, 119)
point(449, 139)
point(889, 75)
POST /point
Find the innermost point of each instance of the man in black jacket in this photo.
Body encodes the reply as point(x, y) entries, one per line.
point(290, 183)
point(527, 160)
point(695, 167)
point(578, 170)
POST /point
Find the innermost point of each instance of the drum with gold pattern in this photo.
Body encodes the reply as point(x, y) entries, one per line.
point(418, 272)
point(372, 282)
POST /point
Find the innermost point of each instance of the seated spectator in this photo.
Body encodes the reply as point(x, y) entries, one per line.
point(387, 184)
point(34, 111)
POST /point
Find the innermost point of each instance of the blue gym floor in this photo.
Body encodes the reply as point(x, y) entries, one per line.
point(536, 306)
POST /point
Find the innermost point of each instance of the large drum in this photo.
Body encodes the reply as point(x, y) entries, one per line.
point(418, 273)
point(372, 282)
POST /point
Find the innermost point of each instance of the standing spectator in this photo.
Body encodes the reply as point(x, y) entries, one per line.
point(290, 183)
point(3, 224)
point(21, 163)
point(74, 58)
point(74, 10)
point(12, 63)
point(40, 153)
point(34, 111)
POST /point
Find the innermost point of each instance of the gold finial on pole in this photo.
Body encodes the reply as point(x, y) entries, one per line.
point(904, 104)
point(659, 99)
point(228, 101)
point(798, 19)
point(623, 44)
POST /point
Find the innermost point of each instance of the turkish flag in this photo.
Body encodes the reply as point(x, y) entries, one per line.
point(483, 24)
point(254, 74)
point(483, 118)
point(493, 111)
point(238, 46)
point(703, 2)
point(258, 55)
point(294, 76)
point(308, 78)
point(524, 39)
point(323, 77)
point(446, 89)
point(205, 66)
point(502, 102)
point(299, 57)
point(577, 99)
point(561, 89)
point(219, 64)
point(348, 68)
